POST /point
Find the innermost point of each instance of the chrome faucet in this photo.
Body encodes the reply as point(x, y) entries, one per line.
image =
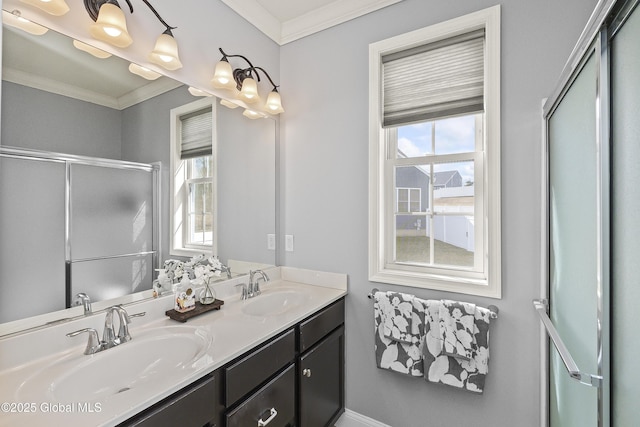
point(84, 300)
point(109, 337)
point(254, 286)
point(227, 269)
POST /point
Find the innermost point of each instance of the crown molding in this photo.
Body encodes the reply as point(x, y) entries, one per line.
point(136, 96)
point(312, 22)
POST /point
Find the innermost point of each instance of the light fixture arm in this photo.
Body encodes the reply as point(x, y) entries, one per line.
point(93, 7)
point(155, 12)
point(275, 87)
point(240, 73)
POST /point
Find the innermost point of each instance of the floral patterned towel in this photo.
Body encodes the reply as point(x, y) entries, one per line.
point(469, 374)
point(456, 324)
point(399, 331)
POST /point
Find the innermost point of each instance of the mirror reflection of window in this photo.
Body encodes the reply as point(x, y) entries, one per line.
point(199, 215)
point(193, 180)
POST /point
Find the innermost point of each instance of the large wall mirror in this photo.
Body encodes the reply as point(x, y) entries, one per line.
point(91, 119)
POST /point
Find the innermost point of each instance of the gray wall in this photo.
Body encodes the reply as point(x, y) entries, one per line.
point(325, 198)
point(145, 138)
point(40, 120)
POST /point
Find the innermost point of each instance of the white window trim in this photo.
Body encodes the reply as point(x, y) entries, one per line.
point(176, 180)
point(490, 285)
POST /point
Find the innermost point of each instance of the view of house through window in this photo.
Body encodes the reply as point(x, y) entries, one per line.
point(199, 215)
point(434, 180)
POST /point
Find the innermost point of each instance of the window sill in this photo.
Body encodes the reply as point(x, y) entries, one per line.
point(483, 288)
point(189, 252)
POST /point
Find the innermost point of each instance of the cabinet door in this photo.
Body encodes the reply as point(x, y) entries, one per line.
point(321, 373)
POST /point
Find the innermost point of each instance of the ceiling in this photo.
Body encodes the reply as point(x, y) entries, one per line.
point(287, 20)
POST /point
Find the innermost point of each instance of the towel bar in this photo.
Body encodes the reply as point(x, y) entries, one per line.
point(492, 308)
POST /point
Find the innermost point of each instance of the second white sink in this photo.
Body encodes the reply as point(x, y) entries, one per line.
point(274, 302)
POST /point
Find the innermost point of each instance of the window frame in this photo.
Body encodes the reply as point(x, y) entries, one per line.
point(488, 283)
point(178, 181)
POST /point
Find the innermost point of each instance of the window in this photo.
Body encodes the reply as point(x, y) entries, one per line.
point(193, 181)
point(435, 157)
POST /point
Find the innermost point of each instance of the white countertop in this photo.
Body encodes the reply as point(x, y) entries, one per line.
point(230, 333)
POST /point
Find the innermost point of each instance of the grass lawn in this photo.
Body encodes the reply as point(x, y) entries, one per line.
point(417, 249)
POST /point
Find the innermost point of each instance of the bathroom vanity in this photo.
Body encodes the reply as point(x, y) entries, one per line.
point(276, 359)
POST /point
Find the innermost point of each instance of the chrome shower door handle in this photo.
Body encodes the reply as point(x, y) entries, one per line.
point(574, 372)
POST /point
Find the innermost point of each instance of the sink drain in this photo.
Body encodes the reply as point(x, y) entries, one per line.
point(123, 390)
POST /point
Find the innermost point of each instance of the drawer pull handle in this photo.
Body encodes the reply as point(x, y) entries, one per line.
point(306, 373)
point(262, 423)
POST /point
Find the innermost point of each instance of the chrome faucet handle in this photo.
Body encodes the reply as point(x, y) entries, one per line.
point(93, 343)
point(108, 334)
point(255, 284)
point(125, 319)
point(84, 300)
point(245, 294)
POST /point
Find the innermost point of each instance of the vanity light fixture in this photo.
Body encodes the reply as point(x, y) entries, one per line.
point(98, 53)
point(242, 80)
point(143, 72)
point(111, 27)
point(14, 19)
point(52, 7)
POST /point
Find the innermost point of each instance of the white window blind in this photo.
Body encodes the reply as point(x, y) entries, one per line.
point(196, 134)
point(434, 81)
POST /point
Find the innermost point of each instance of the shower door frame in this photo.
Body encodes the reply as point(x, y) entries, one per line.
point(594, 40)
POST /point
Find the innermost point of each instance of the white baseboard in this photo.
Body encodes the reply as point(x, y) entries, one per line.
point(354, 419)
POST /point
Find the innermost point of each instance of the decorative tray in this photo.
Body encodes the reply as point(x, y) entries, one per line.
point(200, 308)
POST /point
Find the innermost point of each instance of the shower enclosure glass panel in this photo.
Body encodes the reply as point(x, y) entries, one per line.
point(625, 241)
point(573, 247)
point(109, 199)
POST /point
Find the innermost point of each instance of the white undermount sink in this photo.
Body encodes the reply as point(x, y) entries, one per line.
point(274, 302)
point(154, 355)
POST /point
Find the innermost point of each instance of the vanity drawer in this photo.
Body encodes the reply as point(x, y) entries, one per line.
point(315, 328)
point(193, 406)
point(276, 400)
point(251, 371)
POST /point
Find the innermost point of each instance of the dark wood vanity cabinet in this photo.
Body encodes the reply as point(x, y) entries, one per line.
point(295, 379)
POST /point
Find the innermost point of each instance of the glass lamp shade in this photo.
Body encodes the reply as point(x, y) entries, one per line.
point(253, 114)
point(223, 76)
point(197, 92)
point(165, 53)
point(52, 7)
point(24, 24)
point(228, 104)
point(98, 53)
point(274, 103)
point(249, 92)
point(143, 72)
point(111, 27)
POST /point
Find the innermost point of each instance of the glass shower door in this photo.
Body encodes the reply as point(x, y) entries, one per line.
point(574, 248)
point(625, 227)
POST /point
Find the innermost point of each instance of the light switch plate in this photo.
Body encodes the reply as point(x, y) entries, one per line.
point(288, 242)
point(271, 242)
